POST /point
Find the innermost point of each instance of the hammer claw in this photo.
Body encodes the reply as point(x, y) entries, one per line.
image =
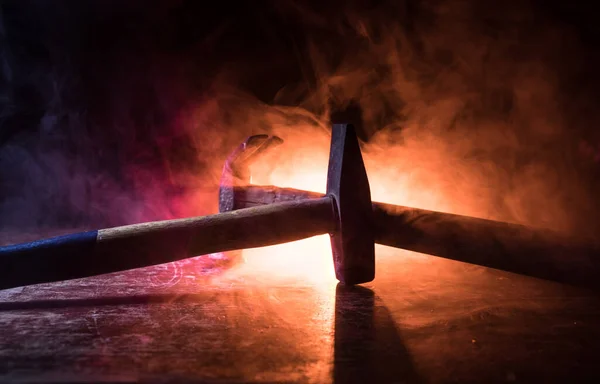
point(236, 170)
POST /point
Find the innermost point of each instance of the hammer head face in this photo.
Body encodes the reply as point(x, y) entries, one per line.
point(353, 242)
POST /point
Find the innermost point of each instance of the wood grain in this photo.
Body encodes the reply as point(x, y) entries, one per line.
point(510, 247)
point(423, 320)
point(140, 245)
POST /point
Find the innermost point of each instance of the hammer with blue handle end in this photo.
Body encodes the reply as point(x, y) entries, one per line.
point(344, 212)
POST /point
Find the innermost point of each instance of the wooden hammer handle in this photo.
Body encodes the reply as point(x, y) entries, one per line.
point(140, 245)
point(506, 246)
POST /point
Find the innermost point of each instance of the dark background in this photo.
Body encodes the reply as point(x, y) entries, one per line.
point(92, 93)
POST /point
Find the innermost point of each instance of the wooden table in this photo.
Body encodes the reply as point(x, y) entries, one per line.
point(208, 319)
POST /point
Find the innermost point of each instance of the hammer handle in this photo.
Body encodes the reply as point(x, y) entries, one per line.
point(140, 245)
point(510, 247)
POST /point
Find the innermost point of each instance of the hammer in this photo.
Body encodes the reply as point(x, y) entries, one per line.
point(344, 212)
point(505, 246)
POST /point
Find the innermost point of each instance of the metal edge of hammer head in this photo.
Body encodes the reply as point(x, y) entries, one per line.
point(352, 242)
point(236, 169)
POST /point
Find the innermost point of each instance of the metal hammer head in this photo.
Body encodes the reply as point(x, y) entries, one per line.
point(236, 171)
point(352, 241)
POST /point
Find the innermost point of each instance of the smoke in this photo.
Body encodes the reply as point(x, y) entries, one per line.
point(95, 123)
point(468, 108)
point(114, 114)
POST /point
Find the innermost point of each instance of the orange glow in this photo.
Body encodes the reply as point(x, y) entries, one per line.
point(449, 137)
point(304, 166)
point(308, 260)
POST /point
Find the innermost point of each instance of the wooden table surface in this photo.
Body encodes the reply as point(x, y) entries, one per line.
point(224, 318)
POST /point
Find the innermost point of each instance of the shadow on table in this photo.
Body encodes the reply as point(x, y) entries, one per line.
point(367, 345)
